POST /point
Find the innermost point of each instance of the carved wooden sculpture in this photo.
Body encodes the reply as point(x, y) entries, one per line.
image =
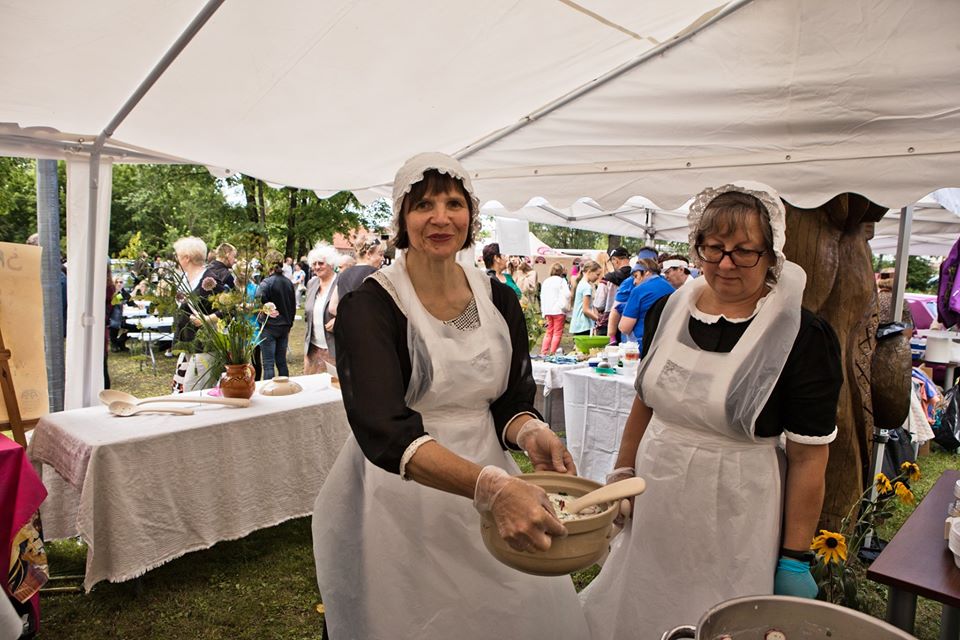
point(831, 244)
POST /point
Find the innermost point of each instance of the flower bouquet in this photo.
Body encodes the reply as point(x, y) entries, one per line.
point(836, 570)
point(225, 324)
point(536, 326)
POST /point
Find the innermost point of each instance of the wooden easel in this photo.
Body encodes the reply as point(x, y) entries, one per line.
point(16, 423)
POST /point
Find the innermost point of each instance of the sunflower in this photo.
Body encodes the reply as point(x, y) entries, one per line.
point(832, 547)
point(911, 470)
point(905, 495)
point(883, 484)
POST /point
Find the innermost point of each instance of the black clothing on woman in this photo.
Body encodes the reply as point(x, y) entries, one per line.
point(376, 369)
point(804, 400)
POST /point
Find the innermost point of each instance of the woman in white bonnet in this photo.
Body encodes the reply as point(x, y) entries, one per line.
point(437, 384)
point(731, 362)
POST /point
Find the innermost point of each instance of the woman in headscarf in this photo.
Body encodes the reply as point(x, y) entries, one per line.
point(437, 385)
point(318, 342)
point(731, 361)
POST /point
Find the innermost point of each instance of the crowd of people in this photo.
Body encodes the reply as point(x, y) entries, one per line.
point(607, 294)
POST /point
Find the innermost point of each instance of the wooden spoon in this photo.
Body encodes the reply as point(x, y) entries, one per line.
point(109, 396)
point(125, 409)
point(608, 493)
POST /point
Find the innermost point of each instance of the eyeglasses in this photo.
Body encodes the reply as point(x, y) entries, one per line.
point(714, 254)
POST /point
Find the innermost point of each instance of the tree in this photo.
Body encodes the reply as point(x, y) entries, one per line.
point(165, 202)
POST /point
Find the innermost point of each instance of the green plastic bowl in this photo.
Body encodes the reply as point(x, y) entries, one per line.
point(585, 343)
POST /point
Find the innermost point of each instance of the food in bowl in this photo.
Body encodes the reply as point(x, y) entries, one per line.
point(561, 500)
point(586, 542)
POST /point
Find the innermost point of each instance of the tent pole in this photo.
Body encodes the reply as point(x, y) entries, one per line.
point(882, 436)
point(601, 80)
point(48, 228)
point(902, 261)
point(88, 315)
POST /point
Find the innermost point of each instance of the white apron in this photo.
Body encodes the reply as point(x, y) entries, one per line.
point(399, 560)
point(707, 529)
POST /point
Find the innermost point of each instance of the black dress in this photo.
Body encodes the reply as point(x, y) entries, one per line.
point(375, 371)
point(804, 400)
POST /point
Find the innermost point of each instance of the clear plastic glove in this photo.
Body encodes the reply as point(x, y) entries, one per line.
point(793, 578)
point(626, 505)
point(522, 511)
point(544, 448)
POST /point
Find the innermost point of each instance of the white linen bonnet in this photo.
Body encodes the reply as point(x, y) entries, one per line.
point(412, 172)
point(776, 214)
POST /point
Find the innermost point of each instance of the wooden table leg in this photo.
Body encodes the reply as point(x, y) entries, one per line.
point(949, 623)
point(902, 609)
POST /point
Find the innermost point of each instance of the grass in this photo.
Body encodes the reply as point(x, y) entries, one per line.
point(264, 586)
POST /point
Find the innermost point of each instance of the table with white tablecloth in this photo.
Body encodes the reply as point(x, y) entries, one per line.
point(549, 376)
point(596, 408)
point(145, 490)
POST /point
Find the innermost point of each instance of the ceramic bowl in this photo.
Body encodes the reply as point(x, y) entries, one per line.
point(281, 386)
point(586, 542)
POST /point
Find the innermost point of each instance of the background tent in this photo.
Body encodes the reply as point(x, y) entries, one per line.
point(934, 229)
point(562, 100)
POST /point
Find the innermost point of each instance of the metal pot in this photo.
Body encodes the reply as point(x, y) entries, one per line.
point(752, 617)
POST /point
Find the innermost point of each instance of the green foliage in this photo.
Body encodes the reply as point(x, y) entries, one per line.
point(18, 199)
point(376, 216)
point(920, 272)
point(165, 202)
point(567, 237)
point(133, 249)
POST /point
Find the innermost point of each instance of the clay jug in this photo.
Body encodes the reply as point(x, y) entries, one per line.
point(238, 381)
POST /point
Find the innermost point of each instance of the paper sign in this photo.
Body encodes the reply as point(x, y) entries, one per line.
point(21, 321)
point(513, 236)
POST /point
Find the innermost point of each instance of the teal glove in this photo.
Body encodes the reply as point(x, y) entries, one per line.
point(793, 579)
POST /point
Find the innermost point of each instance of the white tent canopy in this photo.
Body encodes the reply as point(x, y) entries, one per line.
point(934, 230)
point(638, 217)
point(559, 99)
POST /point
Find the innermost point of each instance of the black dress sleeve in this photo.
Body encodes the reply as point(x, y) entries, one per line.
point(809, 386)
point(521, 389)
point(373, 364)
point(650, 323)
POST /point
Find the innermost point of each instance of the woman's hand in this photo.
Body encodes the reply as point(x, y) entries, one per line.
point(544, 448)
point(522, 511)
point(330, 323)
point(625, 508)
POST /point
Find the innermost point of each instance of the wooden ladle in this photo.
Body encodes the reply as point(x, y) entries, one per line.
point(126, 409)
point(608, 493)
point(109, 396)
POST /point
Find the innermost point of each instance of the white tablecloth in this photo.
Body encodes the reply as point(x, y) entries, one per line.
point(151, 322)
point(550, 375)
point(147, 489)
point(596, 409)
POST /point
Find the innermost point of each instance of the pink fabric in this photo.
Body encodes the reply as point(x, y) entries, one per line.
point(21, 493)
point(551, 339)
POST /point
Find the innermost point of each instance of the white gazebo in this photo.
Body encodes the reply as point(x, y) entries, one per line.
point(560, 100)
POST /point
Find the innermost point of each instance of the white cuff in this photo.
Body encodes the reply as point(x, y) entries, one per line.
point(802, 439)
point(503, 436)
point(412, 449)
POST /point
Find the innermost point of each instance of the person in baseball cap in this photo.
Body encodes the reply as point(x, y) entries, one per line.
point(620, 258)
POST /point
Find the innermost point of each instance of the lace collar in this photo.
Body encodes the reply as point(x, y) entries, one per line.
point(709, 318)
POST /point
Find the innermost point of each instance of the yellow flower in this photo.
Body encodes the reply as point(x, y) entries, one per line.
point(911, 470)
point(905, 495)
point(832, 547)
point(883, 483)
